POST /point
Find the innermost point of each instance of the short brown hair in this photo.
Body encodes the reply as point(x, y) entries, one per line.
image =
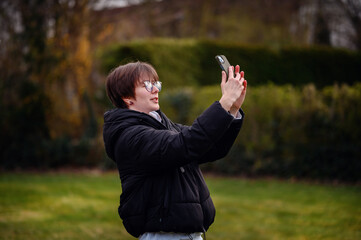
point(121, 81)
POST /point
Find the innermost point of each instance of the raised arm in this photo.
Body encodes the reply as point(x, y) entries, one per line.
point(145, 150)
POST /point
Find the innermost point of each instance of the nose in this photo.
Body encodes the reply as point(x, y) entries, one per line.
point(155, 89)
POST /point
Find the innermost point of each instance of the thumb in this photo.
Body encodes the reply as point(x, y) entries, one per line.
point(224, 78)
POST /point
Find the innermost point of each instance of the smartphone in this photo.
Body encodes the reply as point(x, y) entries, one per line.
point(223, 63)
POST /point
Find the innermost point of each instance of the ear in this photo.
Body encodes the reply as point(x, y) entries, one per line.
point(128, 101)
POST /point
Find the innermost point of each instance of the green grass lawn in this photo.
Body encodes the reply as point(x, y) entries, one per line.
point(84, 206)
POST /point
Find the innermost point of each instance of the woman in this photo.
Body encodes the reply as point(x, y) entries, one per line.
point(164, 195)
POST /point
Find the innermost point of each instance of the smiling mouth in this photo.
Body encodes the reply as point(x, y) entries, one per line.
point(154, 99)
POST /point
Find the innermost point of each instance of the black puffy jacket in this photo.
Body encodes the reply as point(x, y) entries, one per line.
point(162, 186)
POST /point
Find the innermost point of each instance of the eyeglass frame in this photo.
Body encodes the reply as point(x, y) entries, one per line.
point(148, 85)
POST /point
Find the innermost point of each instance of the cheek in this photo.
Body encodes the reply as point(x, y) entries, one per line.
point(141, 96)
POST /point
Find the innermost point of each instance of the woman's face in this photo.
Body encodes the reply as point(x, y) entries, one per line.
point(145, 101)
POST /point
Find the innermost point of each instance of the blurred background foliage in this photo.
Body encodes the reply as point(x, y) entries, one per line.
point(302, 60)
point(194, 64)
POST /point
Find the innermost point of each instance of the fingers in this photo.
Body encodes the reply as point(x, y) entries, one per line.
point(242, 78)
point(230, 72)
point(237, 76)
point(233, 72)
point(237, 69)
point(245, 87)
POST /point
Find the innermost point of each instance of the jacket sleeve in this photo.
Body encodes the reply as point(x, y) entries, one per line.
point(143, 150)
point(224, 144)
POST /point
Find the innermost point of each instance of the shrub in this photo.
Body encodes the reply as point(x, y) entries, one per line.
point(191, 63)
point(291, 132)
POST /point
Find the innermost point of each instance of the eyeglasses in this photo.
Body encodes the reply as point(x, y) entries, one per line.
point(149, 86)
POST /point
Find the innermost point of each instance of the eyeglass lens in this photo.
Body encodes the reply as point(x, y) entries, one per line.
point(149, 86)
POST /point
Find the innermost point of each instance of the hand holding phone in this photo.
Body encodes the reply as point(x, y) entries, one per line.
point(224, 64)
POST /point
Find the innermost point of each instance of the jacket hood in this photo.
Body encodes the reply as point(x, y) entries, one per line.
point(117, 120)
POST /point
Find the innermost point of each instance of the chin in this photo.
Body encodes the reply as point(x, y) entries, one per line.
point(156, 107)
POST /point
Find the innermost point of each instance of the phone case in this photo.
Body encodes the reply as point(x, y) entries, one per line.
point(223, 63)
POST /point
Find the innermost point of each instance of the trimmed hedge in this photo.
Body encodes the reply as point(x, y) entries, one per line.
point(287, 132)
point(192, 63)
point(303, 105)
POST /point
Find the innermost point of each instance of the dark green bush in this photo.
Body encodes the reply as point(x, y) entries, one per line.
point(289, 132)
point(175, 61)
point(177, 103)
point(192, 63)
